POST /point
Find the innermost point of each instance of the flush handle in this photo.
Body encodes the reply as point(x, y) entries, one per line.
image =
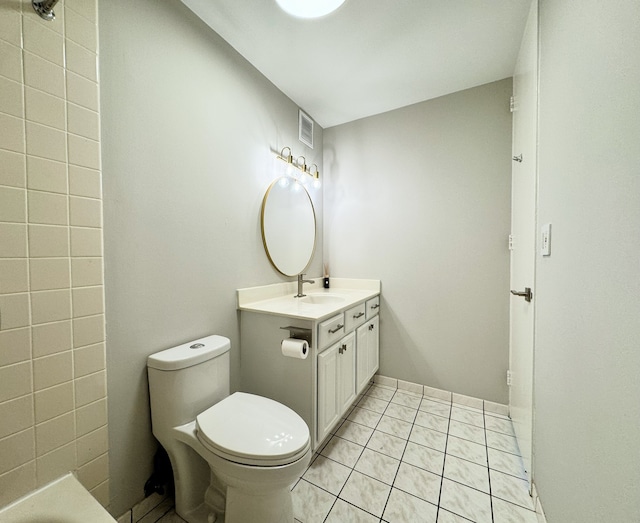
point(526, 294)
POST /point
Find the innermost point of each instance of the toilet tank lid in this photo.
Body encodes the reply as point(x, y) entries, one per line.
point(189, 354)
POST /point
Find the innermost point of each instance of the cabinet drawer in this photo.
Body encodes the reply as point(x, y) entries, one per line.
point(354, 317)
point(330, 330)
point(373, 307)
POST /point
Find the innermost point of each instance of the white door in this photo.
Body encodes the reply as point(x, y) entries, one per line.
point(347, 372)
point(373, 345)
point(327, 391)
point(523, 230)
point(362, 357)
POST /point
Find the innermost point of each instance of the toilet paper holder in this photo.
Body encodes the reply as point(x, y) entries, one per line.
point(299, 333)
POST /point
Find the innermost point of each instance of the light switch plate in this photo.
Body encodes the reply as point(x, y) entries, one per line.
point(545, 243)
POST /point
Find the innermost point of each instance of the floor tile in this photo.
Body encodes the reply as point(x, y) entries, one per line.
point(466, 431)
point(502, 442)
point(435, 407)
point(374, 404)
point(466, 501)
point(510, 488)
point(365, 417)
point(327, 474)
point(444, 516)
point(505, 512)
point(418, 482)
point(401, 412)
point(467, 473)
point(343, 451)
point(395, 427)
point(405, 508)
point(387, 444)
point(343, 512)
point(429, 438)
point(424, 457)
point(378, 466)
point(366, 493)
point(507, 463)
point(382, 393)
point(432, 421)
point(467, 416)
point(499, 425)
point(467, 450)
point(310, 503)
point(355, 432)
point(407, 399)
point(171, 517)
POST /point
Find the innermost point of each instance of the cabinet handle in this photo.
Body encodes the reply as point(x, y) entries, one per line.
point(359, 315)
point(338, 327)
point(375, 306)
point(342, 348)
point(371, 327)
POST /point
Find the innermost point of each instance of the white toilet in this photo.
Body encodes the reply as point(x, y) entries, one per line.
point(234, 457)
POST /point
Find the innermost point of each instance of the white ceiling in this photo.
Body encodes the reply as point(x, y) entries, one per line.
point(372, 56)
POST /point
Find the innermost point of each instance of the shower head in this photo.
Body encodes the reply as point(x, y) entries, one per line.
point(45, 8)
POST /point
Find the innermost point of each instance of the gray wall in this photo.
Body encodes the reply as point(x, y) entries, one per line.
point(420, 198)
point(587, 360)
point(187, 130)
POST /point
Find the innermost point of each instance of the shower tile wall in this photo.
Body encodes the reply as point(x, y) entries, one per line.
point(53, 410)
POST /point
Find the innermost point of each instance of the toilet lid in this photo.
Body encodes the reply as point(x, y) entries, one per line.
point(252, 429)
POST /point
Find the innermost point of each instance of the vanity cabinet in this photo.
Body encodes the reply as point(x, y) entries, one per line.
point(336, 383)
point(343, 353)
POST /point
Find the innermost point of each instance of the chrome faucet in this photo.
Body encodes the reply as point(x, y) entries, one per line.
point(300, 282)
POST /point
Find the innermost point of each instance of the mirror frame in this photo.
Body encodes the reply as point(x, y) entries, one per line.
point(270, 255)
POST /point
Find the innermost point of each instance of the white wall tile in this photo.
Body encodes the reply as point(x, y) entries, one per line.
point(92, 445)
point(91, 416)
point(16, 450)
point(88, 360)
point(84, 182)
point(14, 276)
point(81, 61)
point(86, 8)
point(11, 63)
point(46, 175)
point(88, 331)
point(86, 271)
point(17, 482)
point(52, 370)
point(55, 433)
point(86, 242)
point(81, 30)
point(49, 306)
point(43, 75)
point(83, 152)
point(87, 301)
point(16, 381)
point(11, 24)
point(49, 274)
point(41, 40)
point(13, 240)
point(11, 100)
point(51, 338)
point(53, 402)
point(14, 205)
point(83, 122)
point(56, 463)
point(15, 311)
point(15, 346)
point(48, 240)
point(82, 91)
point(90, 388)
point(94, 472)
point(12, 136)
point(85, 212)
point(16, 415)
point(46, 142)
point(44, 108)
point(13, 170)
point(48, 208)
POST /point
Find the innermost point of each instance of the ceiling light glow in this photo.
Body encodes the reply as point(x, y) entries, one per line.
point(309, 8)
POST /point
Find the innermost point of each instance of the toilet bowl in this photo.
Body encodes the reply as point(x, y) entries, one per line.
point(233, 456)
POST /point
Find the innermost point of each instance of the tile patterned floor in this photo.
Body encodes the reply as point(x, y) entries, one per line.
point(401, 457)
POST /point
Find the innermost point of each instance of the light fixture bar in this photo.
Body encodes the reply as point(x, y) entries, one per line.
point(287, 157)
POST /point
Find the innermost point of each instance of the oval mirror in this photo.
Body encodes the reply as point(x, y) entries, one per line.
point(288, 226)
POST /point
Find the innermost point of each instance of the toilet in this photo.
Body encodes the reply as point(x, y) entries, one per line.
point(234, 457)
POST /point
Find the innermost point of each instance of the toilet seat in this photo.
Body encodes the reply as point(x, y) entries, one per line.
point(253, 430)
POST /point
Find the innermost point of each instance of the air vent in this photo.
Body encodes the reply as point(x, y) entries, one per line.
point(305, 129)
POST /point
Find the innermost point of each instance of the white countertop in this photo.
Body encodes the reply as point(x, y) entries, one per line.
point(278, 299)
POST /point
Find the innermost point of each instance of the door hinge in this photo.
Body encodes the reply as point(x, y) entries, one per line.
point(508, 378)
point(512, 104)
point(511, 242)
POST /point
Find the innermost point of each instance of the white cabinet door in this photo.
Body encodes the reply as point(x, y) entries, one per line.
point(373, 344)
point(362, 357)
point(347, 372)
point(327, 390)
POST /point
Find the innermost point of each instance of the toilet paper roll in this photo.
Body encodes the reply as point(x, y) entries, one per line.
point(293, 348)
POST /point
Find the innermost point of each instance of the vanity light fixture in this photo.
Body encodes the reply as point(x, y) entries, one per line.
point(300, 163)
point(309, 8)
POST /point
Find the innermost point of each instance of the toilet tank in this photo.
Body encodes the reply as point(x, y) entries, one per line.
point(186, 380)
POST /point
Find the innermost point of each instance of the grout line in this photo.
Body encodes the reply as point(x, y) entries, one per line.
point(444, 461)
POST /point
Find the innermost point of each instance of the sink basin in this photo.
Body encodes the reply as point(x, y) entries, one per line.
point(322, 299)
